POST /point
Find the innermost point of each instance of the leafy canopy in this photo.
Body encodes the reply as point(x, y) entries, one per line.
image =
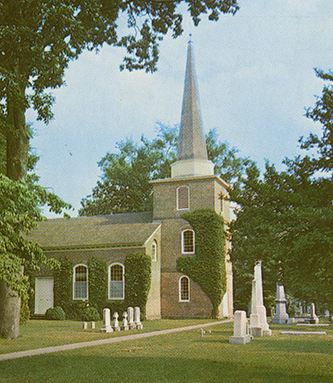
point(125, 183)
point(287, 217)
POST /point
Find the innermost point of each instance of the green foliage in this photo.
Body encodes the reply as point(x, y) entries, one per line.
point(25, 309)
point(63, 282)
point(90, 314)
point(137, 280)
point(323, 113)
point(137, 285)
point(82, 311)
point(19, 213)
point(55, 313)
point(97, 283)
point(125, 183)
point(285, 217)
point(207, 267)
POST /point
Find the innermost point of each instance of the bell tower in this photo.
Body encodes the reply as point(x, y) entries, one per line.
point(192, 186)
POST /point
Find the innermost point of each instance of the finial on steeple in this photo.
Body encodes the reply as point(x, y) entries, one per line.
point(190, 38)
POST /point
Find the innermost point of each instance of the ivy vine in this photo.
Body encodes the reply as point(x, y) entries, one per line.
point(138, 280)
point(207, 266)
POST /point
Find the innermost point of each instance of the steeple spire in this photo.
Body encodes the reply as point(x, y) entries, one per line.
point(192, 157)
point(191, 144)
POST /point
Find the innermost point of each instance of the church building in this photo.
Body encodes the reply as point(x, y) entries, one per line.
point(163, 234)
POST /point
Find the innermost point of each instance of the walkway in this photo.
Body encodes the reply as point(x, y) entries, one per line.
point(74, 346)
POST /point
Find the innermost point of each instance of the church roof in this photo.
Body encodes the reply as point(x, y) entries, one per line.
point(95, 231)
point(191, 142)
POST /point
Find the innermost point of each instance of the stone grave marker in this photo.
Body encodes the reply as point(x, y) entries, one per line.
point(258, 319)
point(137, 320)
point(115, 324)
point(281, 316)
point(130, 312)
point(241, 331)
point(106, 321)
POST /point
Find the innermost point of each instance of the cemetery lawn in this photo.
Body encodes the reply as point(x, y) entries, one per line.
point(179, 357)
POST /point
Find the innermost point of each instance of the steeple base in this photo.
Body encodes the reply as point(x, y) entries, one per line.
point(191, 168)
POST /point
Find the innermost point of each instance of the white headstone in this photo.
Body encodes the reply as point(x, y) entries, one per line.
point(92, 325)
point(258, 319)
point(313, 318)
point(137, 320)
point(106, 321)
point(241, 334)
point(85, 325)
point(130, 312)
point(281, 316)
point(124, 325)
point(115, 324)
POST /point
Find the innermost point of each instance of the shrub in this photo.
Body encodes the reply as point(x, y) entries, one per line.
point(90, 314)
point(55, 313)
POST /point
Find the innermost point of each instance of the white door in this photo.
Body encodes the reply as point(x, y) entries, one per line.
point(43, 294)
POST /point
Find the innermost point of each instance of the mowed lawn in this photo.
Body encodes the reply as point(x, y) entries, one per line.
point(179, 357)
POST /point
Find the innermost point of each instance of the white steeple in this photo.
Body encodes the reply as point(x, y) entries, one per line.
point(192, 157)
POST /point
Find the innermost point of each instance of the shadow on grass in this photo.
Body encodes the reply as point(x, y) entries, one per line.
point(132, 368)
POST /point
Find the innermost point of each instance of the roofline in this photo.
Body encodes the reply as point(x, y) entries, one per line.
point(191, 178)
point(93, 247)
point(152, 234)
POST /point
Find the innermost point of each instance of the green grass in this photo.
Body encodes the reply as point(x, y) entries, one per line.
point(179, 357)
point(43, 333)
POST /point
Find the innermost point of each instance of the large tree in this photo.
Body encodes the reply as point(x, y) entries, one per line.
point(38, 38)
point(288, 217)
point(125, 186)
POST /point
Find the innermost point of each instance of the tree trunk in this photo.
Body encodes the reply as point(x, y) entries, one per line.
point(9, 312)
point(17, 138)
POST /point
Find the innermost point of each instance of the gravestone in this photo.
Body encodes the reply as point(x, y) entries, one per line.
point(85, 325)
point(241, 331)
point(138, 324)
point(130, 312)
point(124, 325)
point(258, 319)
point(313, 317)
point(281, 316)
point(106, 321)
point(115, 324)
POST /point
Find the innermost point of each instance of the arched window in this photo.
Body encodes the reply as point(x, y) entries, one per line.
point(154, 251)
point(184, 289)
point(188, 242)
point(183, 198)
point(116, 281)
point(80, 282)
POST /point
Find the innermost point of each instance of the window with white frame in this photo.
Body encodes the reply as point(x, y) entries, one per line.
point(154, 250)
point(80, 282)
point(184, 289)
point(116, 282)
point(183, 198)
point(188, 241)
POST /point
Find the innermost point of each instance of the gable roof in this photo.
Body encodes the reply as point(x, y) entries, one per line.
point(118, 230)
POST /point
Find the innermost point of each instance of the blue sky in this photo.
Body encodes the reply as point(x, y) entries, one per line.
point(255, 76)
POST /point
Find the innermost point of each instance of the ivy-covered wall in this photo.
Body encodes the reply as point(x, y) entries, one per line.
point(137, 280)
point(207, 266)
point(137, 286)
